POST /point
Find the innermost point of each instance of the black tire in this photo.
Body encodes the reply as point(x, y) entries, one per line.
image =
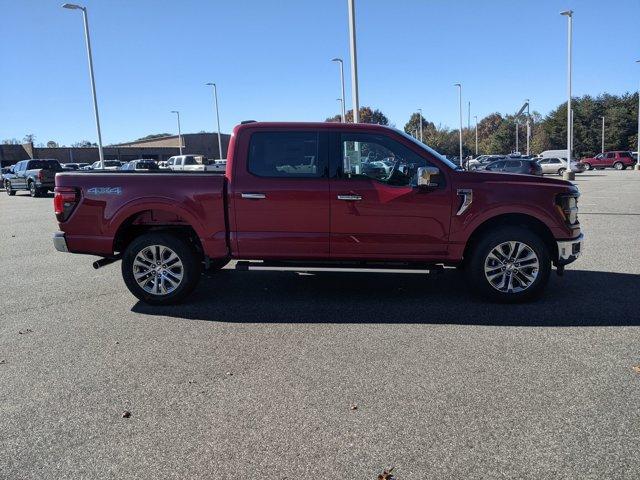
point(7, 187)
point(191, 268)
point(618, 166)
point(479, 254)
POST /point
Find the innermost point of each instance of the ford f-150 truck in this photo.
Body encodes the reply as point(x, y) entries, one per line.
point(321, 194)
point(36, 176)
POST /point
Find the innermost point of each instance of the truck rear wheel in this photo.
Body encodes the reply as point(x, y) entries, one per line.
point(509, 265)
point(9, 190)
point(160, 268)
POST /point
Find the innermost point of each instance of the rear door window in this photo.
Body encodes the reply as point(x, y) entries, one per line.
point(286, 154)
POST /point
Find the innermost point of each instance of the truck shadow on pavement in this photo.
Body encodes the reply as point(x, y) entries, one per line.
point(580, 298)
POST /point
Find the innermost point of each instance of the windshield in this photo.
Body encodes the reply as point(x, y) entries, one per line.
point(440, 157)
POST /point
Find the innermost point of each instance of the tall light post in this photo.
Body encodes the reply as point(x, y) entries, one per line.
point(637, 167)
point(420, 120)
point(341, 63)
point(469, 116)
point(475, 119)
point(72, 6)
point(215, 98)
point(528, 126)
point(354, 60)
point(459, 85)
point(568, 174)
point(517, 124)
point(602, 149)
point(341, 101)
point(179, 130)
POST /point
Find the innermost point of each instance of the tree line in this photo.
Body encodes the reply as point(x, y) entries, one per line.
point(497, 132)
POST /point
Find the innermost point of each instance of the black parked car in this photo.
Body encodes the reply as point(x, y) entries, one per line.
point(513, 165)
point(37, 176)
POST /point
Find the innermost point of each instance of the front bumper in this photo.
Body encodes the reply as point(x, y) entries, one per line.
point(60, 242)
point(569, 250)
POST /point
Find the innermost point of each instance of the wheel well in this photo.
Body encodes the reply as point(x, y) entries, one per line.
point(155, 221)
point(513, 219)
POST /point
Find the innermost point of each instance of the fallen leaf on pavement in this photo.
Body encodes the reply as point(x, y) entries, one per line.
point(229, 374)
point(387, 475)
point(353, 406)
point(2, 362)
point(636, 368)
point(126, 414)
point(25, 331)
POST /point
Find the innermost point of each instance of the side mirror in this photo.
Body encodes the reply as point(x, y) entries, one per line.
point(426, 176)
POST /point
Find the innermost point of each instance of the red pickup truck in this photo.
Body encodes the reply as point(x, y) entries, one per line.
point(618, 160)
point(321, 194)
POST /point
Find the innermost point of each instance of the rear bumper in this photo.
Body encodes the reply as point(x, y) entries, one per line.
point(60, 242)
point(569, 250)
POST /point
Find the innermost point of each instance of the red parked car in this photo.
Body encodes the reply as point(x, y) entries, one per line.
point(618, 160)
point(328, 194)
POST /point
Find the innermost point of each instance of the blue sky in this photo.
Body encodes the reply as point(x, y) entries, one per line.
point(271, 60)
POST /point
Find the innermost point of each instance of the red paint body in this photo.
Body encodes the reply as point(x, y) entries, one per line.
point(609, 159)
point(301, 218)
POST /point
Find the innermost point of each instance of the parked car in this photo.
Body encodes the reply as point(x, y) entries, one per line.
point(70, 166)
point(36, 176)
point(618, 160)
point(513, 165)
point(108, 165)
point(140, 165)
point(297, 194)
point(483, 160)
point(559, 165)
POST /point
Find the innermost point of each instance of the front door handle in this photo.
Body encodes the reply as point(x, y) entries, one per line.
point(254, 196)
point(350, 198)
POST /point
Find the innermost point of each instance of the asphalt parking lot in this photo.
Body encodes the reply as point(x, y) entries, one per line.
point(277, 375)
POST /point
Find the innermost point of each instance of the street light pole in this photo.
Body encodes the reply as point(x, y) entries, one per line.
point(179, 130)
point(637, 167)
point(72, 6)
point(354, 61)
point(215, 97)
point(517, 124)
point(602, 149)
point(339, 60)
point(475, 119)
point(341, 106)
point(459, 85)
point(568, 174)
point(528, 126)
point(469, 116)
point(420, 120)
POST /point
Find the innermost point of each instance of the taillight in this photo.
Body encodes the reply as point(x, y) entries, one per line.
point(64, 201)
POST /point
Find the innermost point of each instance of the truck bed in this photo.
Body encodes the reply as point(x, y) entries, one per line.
point(111, 201)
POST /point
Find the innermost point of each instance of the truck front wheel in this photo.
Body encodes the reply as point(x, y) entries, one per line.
point(509, 265)
point(160, 268)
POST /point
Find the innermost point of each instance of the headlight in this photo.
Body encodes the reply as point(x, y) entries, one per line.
point(567, 205)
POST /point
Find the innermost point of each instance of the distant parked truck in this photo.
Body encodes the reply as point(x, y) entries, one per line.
point(37, 176)
point(554, 154)
point(618, 160)
point(189, 163)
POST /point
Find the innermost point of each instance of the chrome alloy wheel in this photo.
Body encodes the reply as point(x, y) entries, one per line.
point(511, 267)
point(158, 269)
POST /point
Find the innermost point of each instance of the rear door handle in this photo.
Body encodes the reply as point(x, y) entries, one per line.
point(254, 196)
point(350, 198)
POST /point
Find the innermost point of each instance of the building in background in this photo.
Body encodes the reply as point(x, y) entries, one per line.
point(161, 148)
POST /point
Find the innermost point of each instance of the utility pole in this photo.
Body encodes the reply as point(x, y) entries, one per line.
point(459, 85)
point(215, 97)
point(420, 121)
point(602, 149)
point(179, 130)
point(469, 115)
point(341, 63)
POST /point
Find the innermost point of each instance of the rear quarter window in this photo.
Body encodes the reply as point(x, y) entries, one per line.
point(285, 154)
